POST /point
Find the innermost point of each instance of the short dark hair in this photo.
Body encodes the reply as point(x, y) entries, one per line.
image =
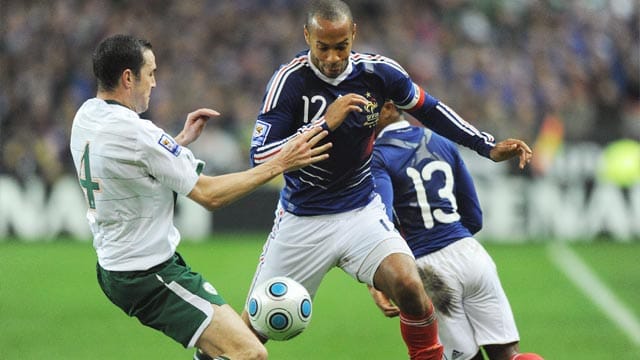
point(331, 10)
point(114, 55)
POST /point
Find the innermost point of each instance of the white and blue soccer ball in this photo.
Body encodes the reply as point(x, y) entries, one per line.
point(279, 308)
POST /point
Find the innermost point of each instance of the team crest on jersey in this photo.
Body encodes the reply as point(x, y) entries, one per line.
point(209, 288)
point(260, 132)
point(170, 144)
point(371, 111)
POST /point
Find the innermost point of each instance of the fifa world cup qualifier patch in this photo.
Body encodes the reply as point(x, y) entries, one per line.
point(170, 144)
point(260, 132)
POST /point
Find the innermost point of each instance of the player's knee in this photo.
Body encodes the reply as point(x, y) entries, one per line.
point(257, 353)
point(410, 296)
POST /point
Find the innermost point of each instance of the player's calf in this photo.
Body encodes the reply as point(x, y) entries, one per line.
point(526, 356)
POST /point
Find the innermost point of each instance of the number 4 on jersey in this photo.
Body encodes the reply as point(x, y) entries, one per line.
point(86, 181)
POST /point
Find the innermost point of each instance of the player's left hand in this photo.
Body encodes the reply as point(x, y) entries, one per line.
point(383, 303)
point(194, 125)
point(509, 148)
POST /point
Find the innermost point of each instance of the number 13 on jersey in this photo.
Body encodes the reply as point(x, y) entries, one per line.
point(445, 192)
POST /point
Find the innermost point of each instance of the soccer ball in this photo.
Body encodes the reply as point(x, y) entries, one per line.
point(279, 308)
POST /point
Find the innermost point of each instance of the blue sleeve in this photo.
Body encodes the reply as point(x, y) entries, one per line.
point(278, 120)
point(435, 115)
point(466, 196)
point(382, 180)
point(444, 121)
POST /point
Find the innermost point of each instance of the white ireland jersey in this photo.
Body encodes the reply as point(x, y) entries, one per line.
point(129, 170)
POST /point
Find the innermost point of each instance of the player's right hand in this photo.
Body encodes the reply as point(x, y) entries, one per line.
point(510, 148)
point(341, 107)
point(304, 150)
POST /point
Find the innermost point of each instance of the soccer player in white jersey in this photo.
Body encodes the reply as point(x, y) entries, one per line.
point(430, 196)
point(328, 214)
point(131, 172)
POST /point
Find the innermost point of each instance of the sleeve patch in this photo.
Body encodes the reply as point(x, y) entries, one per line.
point(260, 132)
point(169, 144)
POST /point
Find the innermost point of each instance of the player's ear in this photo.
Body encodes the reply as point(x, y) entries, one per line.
point(307, 36)
point(127, 78)
point(353, 32)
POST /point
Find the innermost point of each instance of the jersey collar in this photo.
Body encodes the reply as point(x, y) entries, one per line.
point(395, 126)
point(333, 81)
point(113, 102)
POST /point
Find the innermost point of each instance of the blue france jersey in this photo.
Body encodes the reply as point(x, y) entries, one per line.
point(425, 187)
point(297, 97)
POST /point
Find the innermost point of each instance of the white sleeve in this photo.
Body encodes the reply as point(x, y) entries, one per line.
point(171, 164)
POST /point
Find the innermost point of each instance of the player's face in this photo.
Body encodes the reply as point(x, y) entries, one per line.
point(330, 44)
point(143, 84)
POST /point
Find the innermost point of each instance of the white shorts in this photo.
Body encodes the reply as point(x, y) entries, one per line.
point(481, 314)
point(305, 248)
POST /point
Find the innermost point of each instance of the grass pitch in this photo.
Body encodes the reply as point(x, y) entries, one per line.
point(52, 308)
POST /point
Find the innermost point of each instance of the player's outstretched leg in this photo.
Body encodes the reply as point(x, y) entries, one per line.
point(397, 276)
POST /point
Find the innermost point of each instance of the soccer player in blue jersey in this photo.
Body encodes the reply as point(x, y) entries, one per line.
point(430, 196)
point(328, 214)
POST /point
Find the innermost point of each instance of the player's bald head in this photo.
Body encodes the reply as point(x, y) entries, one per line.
point(332, 10)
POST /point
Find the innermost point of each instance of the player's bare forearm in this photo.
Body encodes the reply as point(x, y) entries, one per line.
point(509, 148)
point(214, 192)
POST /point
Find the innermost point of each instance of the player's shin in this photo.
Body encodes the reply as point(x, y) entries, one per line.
point(420, 334)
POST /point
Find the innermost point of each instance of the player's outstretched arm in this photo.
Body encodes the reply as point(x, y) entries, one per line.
point(509, 148)
point(213, 192)
point(194, 125)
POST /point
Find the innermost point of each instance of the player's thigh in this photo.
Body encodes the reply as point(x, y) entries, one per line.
point(455, 331)
point(367, 239)
point(228, 334)
point(170, 298)
point(457, 336)
point(485, 301)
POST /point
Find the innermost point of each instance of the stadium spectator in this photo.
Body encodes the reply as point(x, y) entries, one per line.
point(429, 194)
point(328, 214)
point(131, 172)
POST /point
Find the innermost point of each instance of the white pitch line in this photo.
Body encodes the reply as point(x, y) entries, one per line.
point(582, 276)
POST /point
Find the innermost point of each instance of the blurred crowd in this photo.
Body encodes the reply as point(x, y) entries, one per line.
point(511, 67)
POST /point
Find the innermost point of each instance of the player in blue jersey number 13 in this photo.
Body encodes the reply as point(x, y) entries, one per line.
point(328, 214)
point(430, 196)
